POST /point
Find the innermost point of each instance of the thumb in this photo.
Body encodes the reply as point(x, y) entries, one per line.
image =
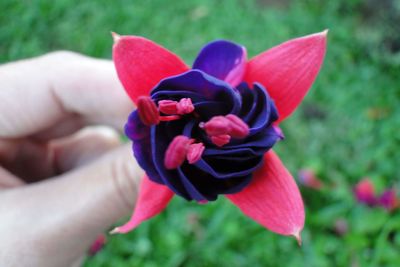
point(61, 217)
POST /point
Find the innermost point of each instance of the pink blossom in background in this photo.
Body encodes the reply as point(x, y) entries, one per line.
point(97, 245)
point(308, 178)
point(364, 192)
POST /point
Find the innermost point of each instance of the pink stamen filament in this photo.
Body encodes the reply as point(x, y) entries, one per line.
point(169, 118)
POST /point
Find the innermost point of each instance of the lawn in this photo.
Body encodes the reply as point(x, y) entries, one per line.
point(346, 129)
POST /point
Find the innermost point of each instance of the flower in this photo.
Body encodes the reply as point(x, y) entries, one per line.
point(364, 192)
point(97, 245)
point(341, 226)
point(208, 131)
point(308, 178)
point(388, 199)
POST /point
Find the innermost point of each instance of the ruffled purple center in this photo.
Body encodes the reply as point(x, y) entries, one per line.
point(221, 170)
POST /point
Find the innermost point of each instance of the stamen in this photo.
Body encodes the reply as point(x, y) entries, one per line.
point(221, 140)
point(185, 106)
point(194, 152)
point(168, 107)
point(239, 129)
point(169, 118)
point(147, 110)
point(176, 152)
point(229, 125)
point(217, 125)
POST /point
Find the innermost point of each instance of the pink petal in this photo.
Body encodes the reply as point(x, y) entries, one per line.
point(364, 192)
point(97, 245)
point(141, 64)
point(389, 200)
point(288, 70)
point(308, 178)
point(273, 198)
point(153, 198)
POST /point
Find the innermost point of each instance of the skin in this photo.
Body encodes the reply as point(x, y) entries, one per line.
point(62, 180)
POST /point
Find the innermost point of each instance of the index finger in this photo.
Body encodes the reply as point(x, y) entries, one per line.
point(37, 93)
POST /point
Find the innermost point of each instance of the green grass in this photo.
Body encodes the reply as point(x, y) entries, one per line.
point(347, 127)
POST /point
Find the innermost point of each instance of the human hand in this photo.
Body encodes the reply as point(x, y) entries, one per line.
point(61, 184)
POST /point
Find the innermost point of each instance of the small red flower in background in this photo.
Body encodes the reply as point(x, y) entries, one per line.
point(388, 199)
point(269, 194)
point(97, 245)
point(308, 178)
point(364, 192)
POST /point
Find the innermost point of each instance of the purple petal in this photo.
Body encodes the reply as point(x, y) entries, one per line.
point(262, 112)
point(223, 60)
point(141, 146)
point(388, 199)
point(199, 86)
point(220, 168)
point(159, 143)
point(193, 191)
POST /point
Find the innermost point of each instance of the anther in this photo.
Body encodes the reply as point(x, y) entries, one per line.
point(194, 152)
point(147, 110)
point(217, 125)
point(221, 140)
point(239, 129)
point(168, 107)
point(185, 106)
point(226, 125)
point(176, 152)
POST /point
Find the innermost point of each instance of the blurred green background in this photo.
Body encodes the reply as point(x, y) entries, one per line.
point(347, 127)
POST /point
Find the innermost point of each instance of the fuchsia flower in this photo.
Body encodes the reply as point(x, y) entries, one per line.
point(388, 199)
point(364, 192)
point(208, 131)
point(97, 245)
point(308, 178)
